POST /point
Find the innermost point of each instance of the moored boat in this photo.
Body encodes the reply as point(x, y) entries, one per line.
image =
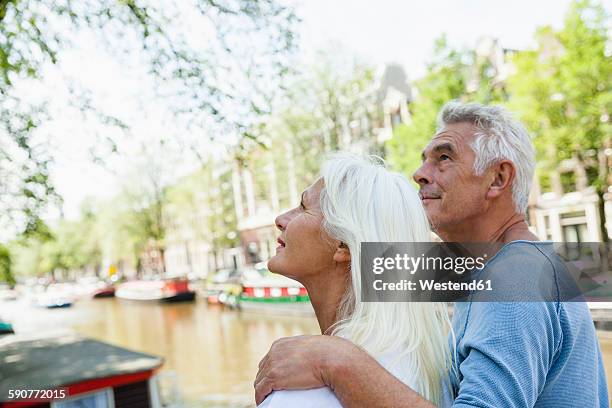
point(55, 296)
point(224, 283)
point(275, 294)
point(54, 301)
point(6, 328)
point(7, 294)
point(68, 370)
point(170, 290)
point(104, 292)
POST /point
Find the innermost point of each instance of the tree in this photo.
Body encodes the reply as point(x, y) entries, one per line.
point(120, 241)
point(6, 272)
point(37, 254)
point(144, 203)
point(77, 244)
point(446, 80)
point(563, 92)
point(222, 85)
point(200, 209)
point(332, 105)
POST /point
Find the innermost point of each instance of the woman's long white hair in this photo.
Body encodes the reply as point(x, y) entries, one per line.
point(363, 202)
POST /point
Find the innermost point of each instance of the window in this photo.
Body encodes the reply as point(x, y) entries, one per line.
point(592, 175)
point(102, 399)
point(568, 181)
point(575, 233)
point(545, 183)
point(396, 118)
point(573, 217)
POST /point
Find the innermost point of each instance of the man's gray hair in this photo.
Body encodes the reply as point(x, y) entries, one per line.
point(498, 137)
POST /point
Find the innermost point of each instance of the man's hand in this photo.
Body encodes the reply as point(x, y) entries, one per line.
point(299, 362)
point(304, 362)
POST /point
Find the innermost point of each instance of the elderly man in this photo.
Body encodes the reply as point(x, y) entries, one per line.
point(474, 183)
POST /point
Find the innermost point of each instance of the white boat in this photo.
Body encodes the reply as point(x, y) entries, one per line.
point(54, 302)
point(7, 294)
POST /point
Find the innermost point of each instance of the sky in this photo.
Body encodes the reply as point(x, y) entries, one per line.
point(404, 31)
point(378, 32)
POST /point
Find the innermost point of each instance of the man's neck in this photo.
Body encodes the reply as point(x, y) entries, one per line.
point(509, 227)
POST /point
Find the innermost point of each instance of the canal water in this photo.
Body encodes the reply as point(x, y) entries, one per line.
point(210, 354)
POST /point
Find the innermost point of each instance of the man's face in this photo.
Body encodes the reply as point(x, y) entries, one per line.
point(449, 188)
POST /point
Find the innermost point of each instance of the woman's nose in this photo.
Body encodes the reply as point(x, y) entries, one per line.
point(281, 221)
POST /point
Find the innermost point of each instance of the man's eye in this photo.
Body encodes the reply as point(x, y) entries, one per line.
point(444, 157)
point(302, 206)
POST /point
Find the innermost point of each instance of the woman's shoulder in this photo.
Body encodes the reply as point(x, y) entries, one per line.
point(314, 398)
point(400, 364)
point(324, 397)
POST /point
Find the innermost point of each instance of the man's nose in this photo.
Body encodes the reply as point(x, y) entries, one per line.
point(422, 176)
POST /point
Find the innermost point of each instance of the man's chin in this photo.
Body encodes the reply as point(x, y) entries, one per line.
point(430, 201)
point(434, 218)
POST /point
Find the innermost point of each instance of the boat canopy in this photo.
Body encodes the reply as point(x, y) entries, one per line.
point(49, 361)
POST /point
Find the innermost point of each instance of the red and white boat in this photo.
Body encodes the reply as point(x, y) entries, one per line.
point(275, 294)
point(168, 290)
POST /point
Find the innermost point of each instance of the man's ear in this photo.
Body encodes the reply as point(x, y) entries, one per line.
point(342, 254)
point(503, 176)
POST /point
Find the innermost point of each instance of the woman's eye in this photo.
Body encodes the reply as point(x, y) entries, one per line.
point(444, 157)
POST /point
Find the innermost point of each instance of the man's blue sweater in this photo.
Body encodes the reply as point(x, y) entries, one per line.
point(527, 354)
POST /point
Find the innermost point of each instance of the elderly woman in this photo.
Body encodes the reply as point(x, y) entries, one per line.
point(357, 200)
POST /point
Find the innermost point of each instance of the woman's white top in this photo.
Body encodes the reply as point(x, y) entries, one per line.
point(403, 368)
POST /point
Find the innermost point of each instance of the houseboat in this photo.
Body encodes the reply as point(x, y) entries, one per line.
point(168, 290)
point(70, 371)
point(275, 294)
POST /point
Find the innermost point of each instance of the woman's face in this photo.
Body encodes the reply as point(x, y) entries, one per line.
point(304, 249)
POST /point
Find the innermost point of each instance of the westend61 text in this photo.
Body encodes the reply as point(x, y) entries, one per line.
point(430, 284)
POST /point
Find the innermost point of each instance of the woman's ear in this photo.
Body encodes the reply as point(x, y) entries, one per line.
point(342, 254)
point(503, 175)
